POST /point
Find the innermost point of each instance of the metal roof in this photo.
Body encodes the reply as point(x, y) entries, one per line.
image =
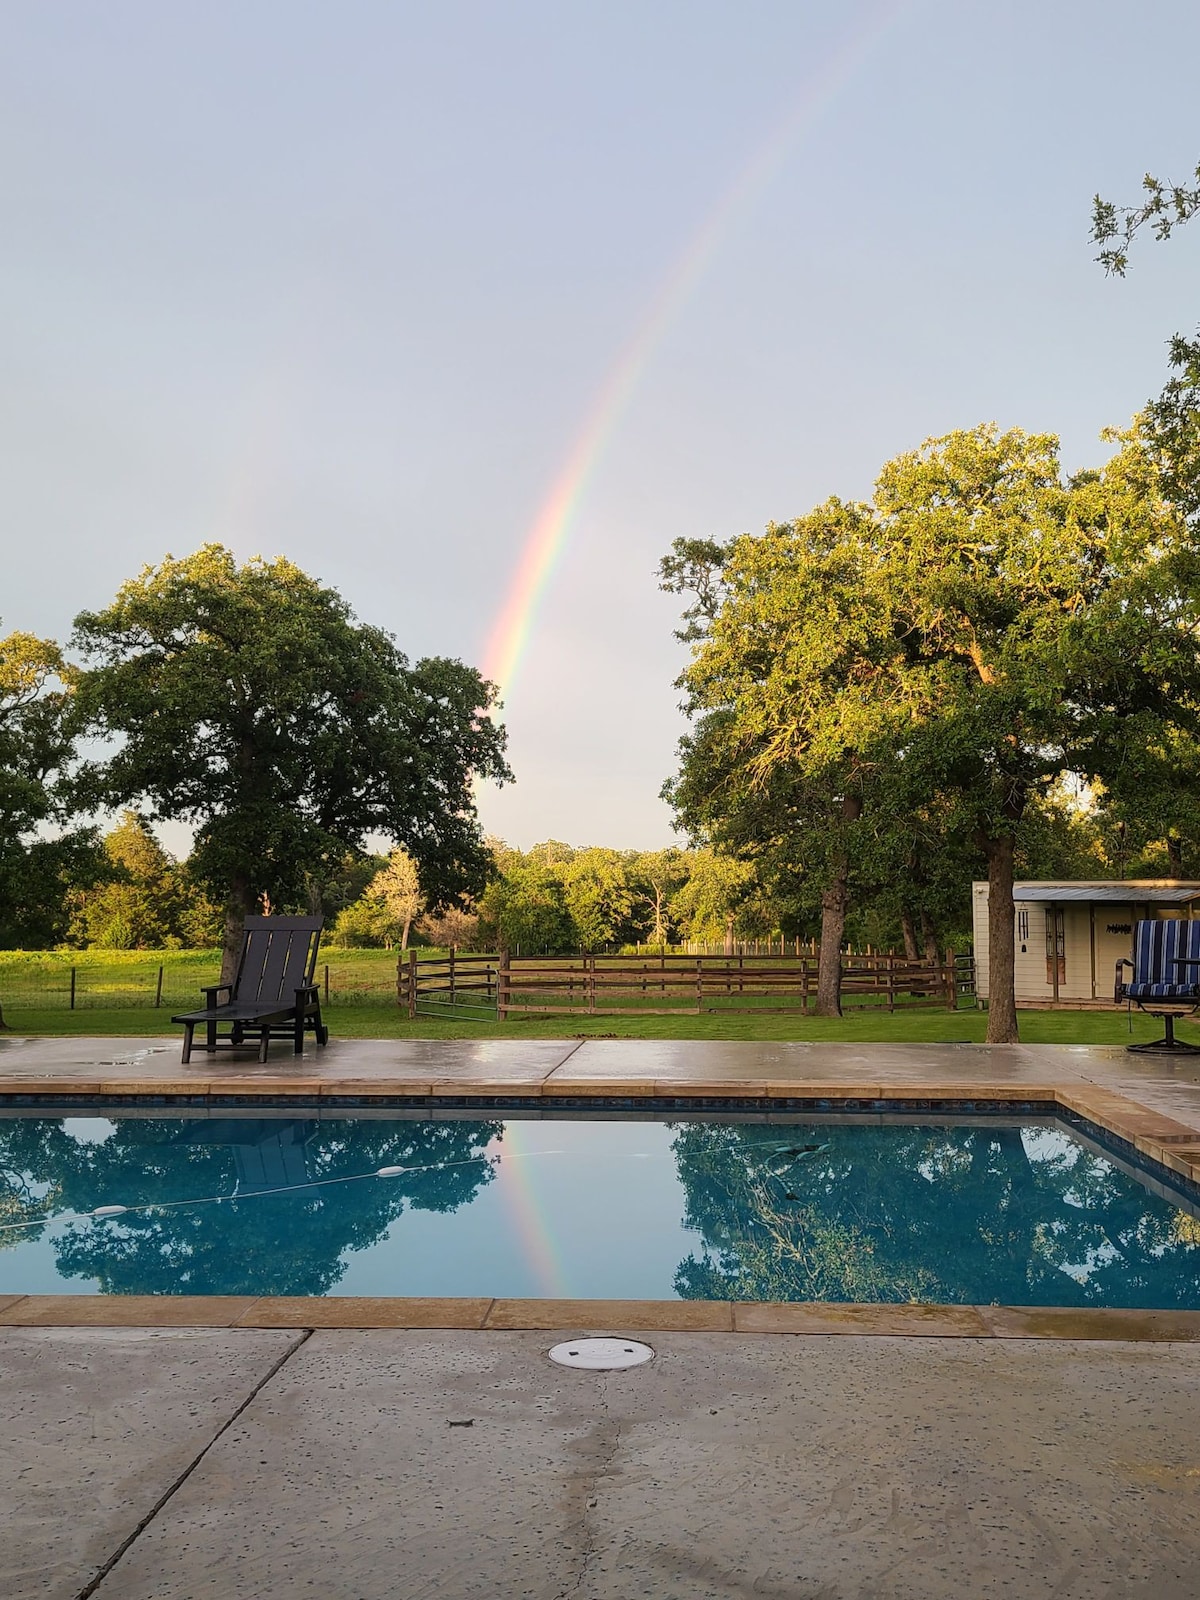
point(1123, 894)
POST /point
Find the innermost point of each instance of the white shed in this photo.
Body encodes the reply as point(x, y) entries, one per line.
point(1086, 925)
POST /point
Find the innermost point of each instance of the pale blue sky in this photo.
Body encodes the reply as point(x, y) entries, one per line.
point(344, 281)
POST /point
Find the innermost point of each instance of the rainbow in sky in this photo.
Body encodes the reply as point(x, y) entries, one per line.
point(547, 537)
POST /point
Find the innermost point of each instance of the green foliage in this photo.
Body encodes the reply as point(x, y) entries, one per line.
point(1170, 424)
point(383, 915)
point(555, 899)
point(879, 692)
point(1166, 207)
point(396, 889)
point(363, 925)
point(656, 877)
point(706, 905)
point(146, 900)
point(598, 896)
point(250, 703)
point(39, 856)
point(1170, 429)
point(525, 909)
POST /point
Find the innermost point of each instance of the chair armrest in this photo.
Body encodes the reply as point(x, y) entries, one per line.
point(213, 990)
point(1186, 961)
point(1122, 961)
point(308, 988)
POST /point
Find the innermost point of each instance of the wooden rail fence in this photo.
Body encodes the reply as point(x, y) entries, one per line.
point(501, 986)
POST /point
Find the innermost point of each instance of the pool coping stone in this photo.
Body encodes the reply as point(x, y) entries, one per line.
point(589, 1317)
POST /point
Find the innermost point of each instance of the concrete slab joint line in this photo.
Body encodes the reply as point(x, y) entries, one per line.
point(173, 1488)
point(609, 1442)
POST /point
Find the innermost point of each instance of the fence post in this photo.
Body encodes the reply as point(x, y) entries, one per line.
point(590, 963)
point(951, 986)
point(72, 988)
point(453, 948)
point(412, 983)
point(699, 984)
point(502, 987)
point(158, 990)
point(327, 983)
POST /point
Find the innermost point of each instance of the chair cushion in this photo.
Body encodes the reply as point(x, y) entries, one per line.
point(1162, 991)
point(1157, 942)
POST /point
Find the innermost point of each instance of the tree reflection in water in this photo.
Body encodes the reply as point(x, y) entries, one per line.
point(972, 1214)
point(260, 1243)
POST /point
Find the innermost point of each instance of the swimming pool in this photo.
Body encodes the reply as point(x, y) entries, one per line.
point(973, 1211)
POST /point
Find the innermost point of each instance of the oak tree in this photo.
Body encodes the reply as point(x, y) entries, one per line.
point(249, 702)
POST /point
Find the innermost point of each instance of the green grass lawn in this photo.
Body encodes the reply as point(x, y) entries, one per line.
point(115, 993)
point(108, 980)
point(385, 1022)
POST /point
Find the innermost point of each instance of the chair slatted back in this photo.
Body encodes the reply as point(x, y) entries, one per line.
point(1156, 943)
point(279, 956)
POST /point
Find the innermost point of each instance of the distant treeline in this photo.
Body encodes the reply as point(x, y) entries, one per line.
point(128, 893)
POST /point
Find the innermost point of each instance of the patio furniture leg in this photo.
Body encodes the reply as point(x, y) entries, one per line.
point(210, 1034)
point(264, 1044)
point(298, 1033)
point(188, 1029)
point(1167, 1043)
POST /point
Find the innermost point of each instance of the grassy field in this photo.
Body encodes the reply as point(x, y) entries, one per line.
point(109, 980)
point(115, 990)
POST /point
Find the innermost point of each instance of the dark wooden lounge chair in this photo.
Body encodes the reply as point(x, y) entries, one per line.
point(1166, 977)
point(273, 994)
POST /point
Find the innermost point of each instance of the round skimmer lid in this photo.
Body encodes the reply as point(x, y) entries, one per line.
point(601, 1354)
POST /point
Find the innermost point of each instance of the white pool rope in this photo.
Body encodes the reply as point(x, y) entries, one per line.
point(102, 1213)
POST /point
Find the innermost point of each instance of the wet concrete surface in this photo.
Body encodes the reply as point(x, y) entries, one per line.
point(98, 1425)
point(1170, 1084)
point(449, 1463)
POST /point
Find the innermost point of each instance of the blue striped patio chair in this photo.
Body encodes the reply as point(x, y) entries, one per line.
point(1165, 979)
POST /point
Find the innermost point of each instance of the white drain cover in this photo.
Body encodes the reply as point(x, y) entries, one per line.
point(601, 1353)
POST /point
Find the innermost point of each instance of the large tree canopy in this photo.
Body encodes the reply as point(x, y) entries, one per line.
point(867, 677)
point(248, 701)
point(777, 772)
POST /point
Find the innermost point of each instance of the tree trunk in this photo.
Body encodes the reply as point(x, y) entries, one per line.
point(1002, 997)
point(834, 902)
point(238, 907)
point(909, 929)
point(829, 962)
point(1175, 856)
point(929, 935)
point(3, 1025)
point(404, 935)
point(729, 934)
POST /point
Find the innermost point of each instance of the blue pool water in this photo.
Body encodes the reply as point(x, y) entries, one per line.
point(750, 1209)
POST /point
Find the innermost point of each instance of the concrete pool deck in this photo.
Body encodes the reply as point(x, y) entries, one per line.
point(202, 1464)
